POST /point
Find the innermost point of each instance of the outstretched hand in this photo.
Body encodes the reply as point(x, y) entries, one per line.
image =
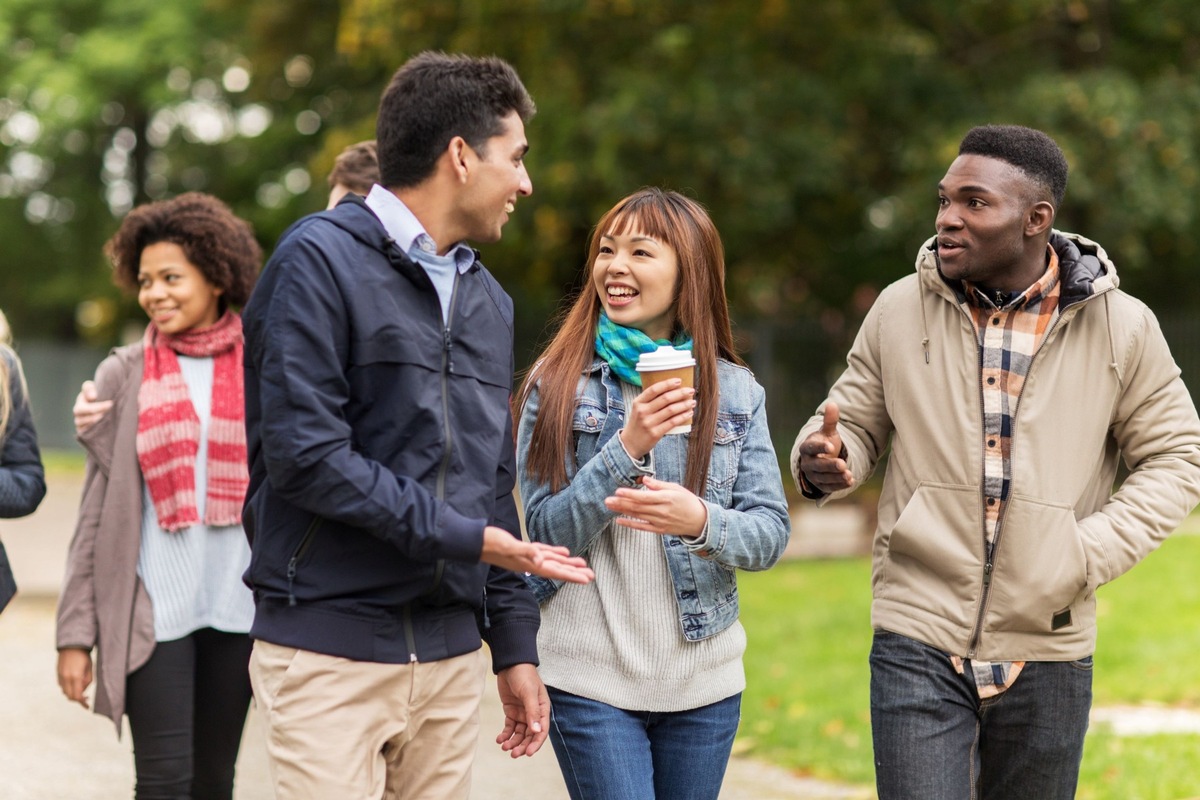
point(526, 710)
point(820, 456)
point(502, 549)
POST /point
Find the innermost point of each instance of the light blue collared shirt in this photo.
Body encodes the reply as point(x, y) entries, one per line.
point(410, 235)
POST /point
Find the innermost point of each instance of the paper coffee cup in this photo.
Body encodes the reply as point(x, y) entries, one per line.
point(663, 364)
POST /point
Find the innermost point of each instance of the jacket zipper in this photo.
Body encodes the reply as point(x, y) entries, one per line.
point(305, 543)
point(990, 558)
point(439, 567)
point(444, 467)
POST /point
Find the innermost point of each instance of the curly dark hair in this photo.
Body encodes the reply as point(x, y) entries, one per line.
point(1029, 150)
point(220, 244)
point(435, 97)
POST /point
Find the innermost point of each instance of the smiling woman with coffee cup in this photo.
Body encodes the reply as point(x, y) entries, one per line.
point(666, 488)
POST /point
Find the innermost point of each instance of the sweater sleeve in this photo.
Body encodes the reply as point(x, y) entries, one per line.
point(77, 624)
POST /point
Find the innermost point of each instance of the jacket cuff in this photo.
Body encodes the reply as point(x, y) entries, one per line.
point(461, 537)
point(806, 488)
point(701, 545)
point(621, 465)
point(512, 642)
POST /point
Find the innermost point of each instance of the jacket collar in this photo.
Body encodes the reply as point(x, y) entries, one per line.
point(1085, 270)
point(353, 215)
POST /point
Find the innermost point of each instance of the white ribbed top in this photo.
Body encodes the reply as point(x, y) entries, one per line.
point(194, 576)
point(619, 640)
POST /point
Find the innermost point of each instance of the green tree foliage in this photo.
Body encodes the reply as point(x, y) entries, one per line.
point(105, 104)
point(814, 132)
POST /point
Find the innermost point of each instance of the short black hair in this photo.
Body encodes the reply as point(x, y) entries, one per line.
point(435, 97)
point(217, 242)
point(1029, 150)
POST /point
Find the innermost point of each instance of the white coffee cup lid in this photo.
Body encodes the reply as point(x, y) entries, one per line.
point(665, 357)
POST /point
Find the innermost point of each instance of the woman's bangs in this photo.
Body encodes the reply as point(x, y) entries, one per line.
point(641, 215)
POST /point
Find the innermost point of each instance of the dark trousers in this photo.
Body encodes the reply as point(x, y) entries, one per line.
point(187, 707)
point(935, 739)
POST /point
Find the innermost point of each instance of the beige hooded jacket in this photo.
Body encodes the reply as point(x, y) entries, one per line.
point(1102, 386)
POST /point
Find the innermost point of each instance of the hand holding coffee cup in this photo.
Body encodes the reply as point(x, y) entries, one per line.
point(663, 364)
point(665, 405)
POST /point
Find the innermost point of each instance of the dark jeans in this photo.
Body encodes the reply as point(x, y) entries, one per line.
point(606, 753)
point(187, 707)
point(936, 740)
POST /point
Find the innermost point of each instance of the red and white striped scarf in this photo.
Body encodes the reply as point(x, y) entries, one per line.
point(168, 433)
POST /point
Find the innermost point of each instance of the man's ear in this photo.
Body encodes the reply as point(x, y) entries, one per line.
point(461, 157)
point(1040, 218)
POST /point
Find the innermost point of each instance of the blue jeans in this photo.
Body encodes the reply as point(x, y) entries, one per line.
point(606, 753)
point(936, 740)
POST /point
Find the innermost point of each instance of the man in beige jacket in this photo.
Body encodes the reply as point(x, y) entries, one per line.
point(1009, 374)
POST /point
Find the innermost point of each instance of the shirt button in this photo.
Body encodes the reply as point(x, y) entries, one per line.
point(995, 320)
point(591, 420)
point(991, 381)
point(991, 442)
point(991, 501)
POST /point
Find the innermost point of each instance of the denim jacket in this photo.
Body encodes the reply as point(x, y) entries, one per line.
point(748, 523)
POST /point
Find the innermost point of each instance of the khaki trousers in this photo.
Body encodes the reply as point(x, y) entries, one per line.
point(338, 729)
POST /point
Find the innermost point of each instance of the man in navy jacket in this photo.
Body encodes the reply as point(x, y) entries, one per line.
point(383, 529)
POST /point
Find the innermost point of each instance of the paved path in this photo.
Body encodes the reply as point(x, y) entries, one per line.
point(51, 749)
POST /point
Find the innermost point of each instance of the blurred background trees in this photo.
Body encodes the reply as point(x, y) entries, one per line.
point(814, 132)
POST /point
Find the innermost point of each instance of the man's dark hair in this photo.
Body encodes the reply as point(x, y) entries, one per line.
point(1029, 150)
point(435, 97)
point(356, 168)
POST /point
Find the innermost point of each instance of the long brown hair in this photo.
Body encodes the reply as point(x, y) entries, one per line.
point(700, 309)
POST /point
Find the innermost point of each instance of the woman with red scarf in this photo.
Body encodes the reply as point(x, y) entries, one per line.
point(153, 580)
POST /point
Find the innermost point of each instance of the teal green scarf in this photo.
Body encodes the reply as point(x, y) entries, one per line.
point(621, 346)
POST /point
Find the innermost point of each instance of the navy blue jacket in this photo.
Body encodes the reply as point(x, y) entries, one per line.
point(380, 445)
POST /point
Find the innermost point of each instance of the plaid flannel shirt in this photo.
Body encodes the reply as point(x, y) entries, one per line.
point(1010, 332)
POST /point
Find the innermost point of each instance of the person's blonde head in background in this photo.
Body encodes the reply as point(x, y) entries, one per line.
point(356, 169)
point(8, 362)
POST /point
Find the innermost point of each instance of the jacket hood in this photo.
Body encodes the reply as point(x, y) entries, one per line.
point(1084, 268)
point(353, 215)
point(356, 218)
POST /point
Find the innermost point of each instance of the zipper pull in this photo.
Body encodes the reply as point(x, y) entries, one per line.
point(987, 574)
point(291, 576)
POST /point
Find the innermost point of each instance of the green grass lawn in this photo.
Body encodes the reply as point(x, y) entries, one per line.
point(63, 462)
point(806, 703)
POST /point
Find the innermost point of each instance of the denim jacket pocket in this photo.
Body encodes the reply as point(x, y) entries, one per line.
point(726, 456)
point(586, 426)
